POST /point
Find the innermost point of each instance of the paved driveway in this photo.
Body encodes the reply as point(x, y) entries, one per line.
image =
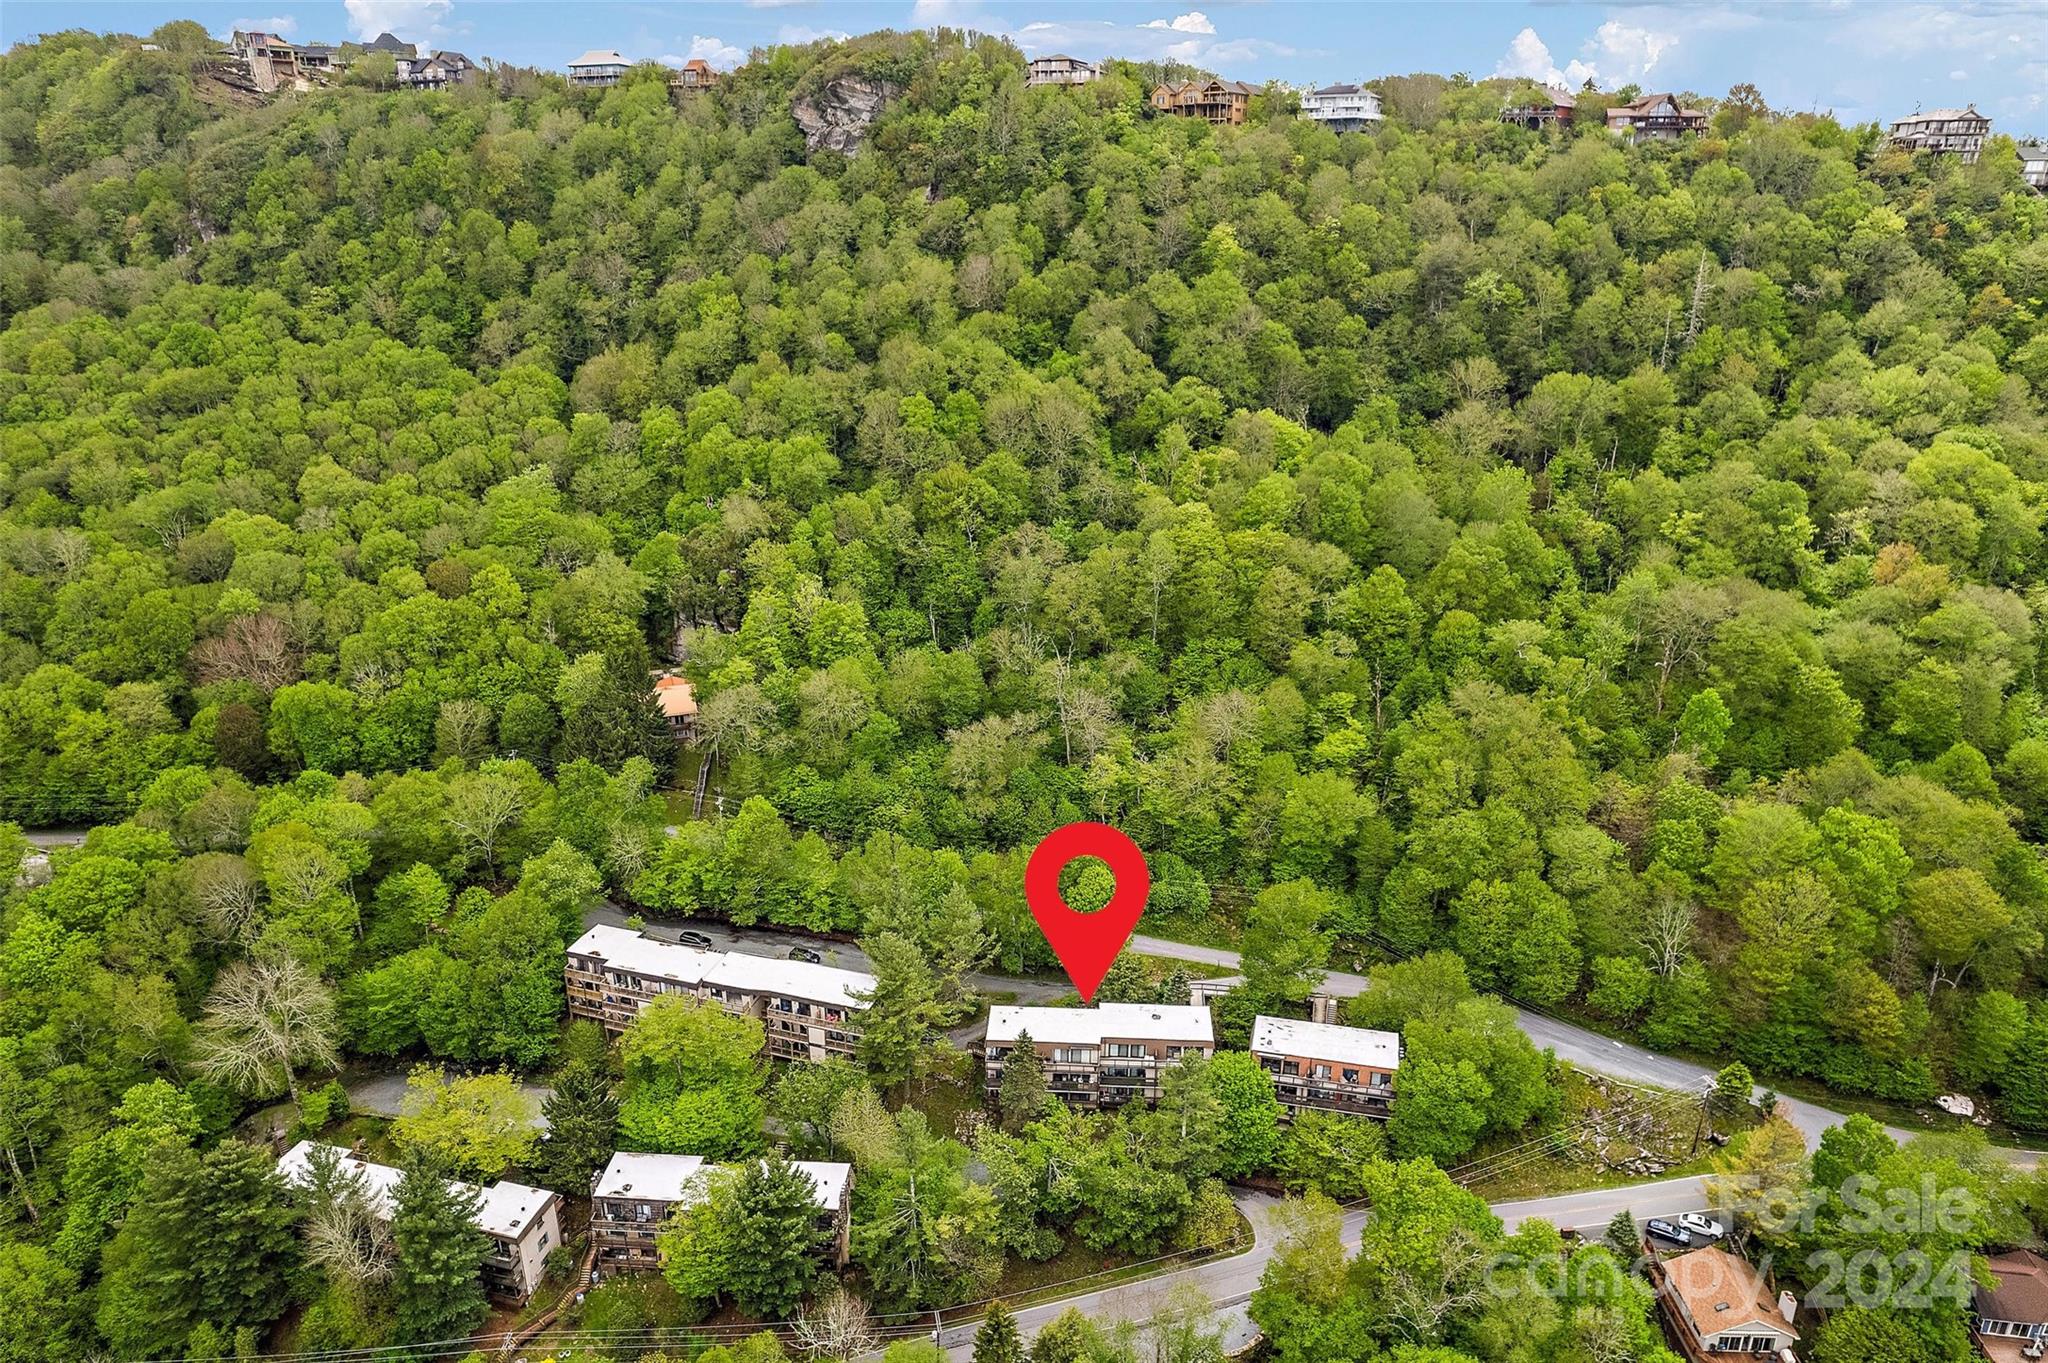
point(380, 1095)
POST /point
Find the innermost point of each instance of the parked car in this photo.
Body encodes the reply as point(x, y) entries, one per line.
point(805, 954)
point(1666, 1230)
point(1702, 1225)
point(694, 939)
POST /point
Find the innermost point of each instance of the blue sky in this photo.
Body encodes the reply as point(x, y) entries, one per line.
point(1862, 60)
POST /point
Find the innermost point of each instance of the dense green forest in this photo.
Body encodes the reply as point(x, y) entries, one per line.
point(1617, 566)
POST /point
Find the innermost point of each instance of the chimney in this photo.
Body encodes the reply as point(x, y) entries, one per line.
point(1788, 1306)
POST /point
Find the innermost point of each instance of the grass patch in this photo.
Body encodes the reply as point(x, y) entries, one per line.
point(1211, 930)
point(1162, 966)
point(946, 1103)
point(1077, 1268)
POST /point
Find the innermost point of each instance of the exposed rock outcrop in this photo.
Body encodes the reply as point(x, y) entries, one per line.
point(837, 116)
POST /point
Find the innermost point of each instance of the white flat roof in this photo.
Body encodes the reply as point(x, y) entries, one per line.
point(1326, 1041)
point(667, 1178)
point(798, 979)
point(624, 949)
point(507, 1209)
point(657, 1176)
point(1131, 1021)
point(621, 949)
point(504, 1209)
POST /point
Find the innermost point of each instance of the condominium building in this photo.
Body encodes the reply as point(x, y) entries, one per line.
point(1947, 132)
point(632, 1196)
point(612, 973)
point(523, 1223)
point(1099, 1057)
point(1343, 108)
point(1060, 69)
point(1321, 1065)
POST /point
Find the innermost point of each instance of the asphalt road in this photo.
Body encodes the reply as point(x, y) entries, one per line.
point(1229, 1283)
point(1581, 1046)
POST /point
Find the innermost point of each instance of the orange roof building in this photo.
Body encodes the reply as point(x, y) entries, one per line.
point(1720, 1308)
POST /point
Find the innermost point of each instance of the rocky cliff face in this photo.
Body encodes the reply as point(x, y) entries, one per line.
point(837, 116)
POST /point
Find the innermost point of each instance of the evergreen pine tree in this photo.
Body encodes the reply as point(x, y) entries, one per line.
point(1023, 1094)
point(998, 1340)
point(777, 1238)
point(1623, 1238)
point(437, 1286)
point(209, 1240)
point(583, 1128)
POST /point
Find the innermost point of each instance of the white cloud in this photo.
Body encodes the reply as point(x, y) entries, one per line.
point(804, 33)
point(1959, 74)
point(282, 25)
point(1616, 54)
point(716, 51)
point(772, 4)
point(408, 19)
point(1627, 53)
point(1528, 57)
point(1194, 21)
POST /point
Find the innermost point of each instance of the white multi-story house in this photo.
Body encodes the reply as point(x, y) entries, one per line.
point(1343, 108)
point(1947, 132)
point(2034, 164)
point(524, 1223)
point(612, 973)
point(634, 1194)
point(597, 67)
point(1099, 1057)
point(1060, 69)
point(1322, 1065)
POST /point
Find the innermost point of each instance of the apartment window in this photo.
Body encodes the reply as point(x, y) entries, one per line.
point(1319, 1072)
point(1290, 1067)
point(1125, 1050)
point(1074, 1055)
point(1351, 1076)
point(543, 1239)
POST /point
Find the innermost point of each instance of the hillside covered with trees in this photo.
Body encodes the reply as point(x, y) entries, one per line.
point(1617, 566)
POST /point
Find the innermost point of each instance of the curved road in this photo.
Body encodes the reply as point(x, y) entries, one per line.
point(1581, 1046)
point(1228, 1283)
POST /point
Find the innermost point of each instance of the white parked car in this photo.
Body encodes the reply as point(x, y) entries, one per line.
point(1700, 1224)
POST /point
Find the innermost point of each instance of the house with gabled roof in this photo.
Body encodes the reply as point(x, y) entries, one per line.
point(599, 66)
point(1945, 132)
point(2011, 1316)
point(1655, 118)
point(1720, 1309)
point(1225, 102)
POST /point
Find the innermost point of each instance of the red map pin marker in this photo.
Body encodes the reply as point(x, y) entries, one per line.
point(1087, 943)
